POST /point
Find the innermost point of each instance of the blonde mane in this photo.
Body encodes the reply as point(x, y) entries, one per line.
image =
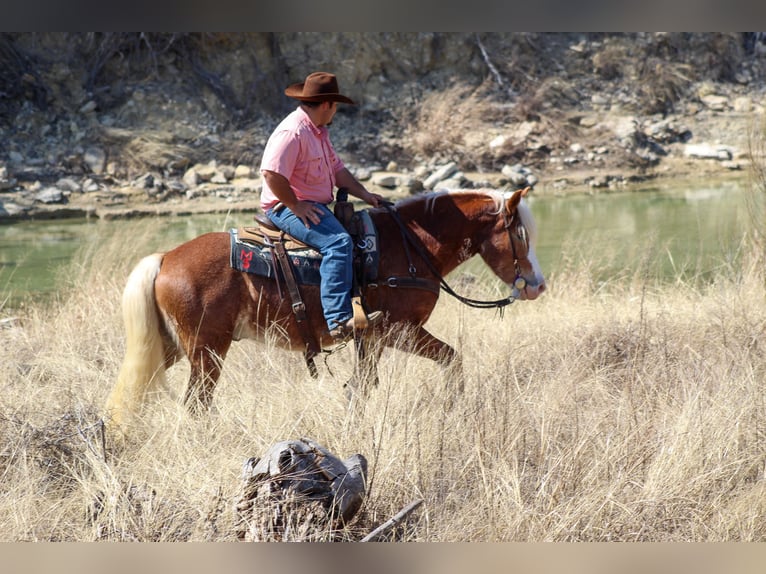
point(500, 197)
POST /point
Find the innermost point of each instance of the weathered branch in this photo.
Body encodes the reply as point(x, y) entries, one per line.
point(495, 72)
point(392, 522)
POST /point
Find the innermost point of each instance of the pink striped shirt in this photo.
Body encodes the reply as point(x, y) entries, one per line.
point(302, 153)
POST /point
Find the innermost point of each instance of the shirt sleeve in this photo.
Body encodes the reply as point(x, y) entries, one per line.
point(281, 153)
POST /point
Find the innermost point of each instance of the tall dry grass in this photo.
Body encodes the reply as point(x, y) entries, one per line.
point(621, 410)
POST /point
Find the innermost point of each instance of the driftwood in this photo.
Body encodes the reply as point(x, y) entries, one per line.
point(389, 524)
point(299, 491)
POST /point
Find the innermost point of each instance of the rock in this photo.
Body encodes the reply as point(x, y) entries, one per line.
point(522, 131)
point(242, 172)
point(69, 184)
point(177, 187)
point(386, 180)
point(206, 172)
point(599, 181)
point(88, 107)
point(626, 129)
point(518, 175)
point(411, 184)
point(420, 171)
point(50, 195)
point(716, 103)
point(440, 174)
point(95, 159)
point(146, 181)
point(498, 142)
point(6, 182)
point(362, 173)
point(227, 171)
point(89, 186)
point(178, 164)
point(668, 131)
point(194, 193)
point(456, 181)
point(192, 178)
point(708, 151)
point(743, 104)
point(11, 210)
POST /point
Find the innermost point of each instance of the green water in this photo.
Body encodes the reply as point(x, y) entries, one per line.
point(687, 233)
point(663, 233)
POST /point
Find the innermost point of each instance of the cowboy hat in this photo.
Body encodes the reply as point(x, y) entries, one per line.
point(318, 87)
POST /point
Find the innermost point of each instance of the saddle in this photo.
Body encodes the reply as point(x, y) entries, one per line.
point(266, 233)
point(264, 248)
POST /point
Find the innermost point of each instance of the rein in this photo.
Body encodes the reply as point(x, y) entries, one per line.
point(409, 240)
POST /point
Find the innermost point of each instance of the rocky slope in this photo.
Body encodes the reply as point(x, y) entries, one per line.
point(117, 124)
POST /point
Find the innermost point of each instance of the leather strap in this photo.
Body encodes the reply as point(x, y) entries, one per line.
point(403, 282)
point(298, 306)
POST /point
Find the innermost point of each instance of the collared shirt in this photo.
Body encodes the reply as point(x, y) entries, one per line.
point(302, 153)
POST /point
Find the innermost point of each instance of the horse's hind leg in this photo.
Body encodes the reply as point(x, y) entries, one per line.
point(205, 370)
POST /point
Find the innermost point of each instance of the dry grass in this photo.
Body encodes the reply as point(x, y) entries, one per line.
point(611, 411)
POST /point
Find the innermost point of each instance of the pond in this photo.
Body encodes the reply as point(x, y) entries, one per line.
point(667, 233)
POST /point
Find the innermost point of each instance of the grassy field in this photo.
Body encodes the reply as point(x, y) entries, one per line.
point(618, 410)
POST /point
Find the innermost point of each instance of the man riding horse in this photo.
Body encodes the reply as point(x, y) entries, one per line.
point(300, 170)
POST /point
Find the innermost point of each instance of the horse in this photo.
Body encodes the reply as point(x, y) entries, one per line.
point(191, 302)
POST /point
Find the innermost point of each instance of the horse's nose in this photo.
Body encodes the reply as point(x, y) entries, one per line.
point(533, 292)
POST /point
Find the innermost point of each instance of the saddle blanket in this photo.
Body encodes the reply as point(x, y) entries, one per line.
point(257, 258)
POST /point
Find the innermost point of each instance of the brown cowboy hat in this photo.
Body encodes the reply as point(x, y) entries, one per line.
point(318, 87)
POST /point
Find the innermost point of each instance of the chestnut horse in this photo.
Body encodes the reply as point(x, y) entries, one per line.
point(190, 301)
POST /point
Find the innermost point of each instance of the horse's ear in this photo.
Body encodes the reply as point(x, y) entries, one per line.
point(513, 201)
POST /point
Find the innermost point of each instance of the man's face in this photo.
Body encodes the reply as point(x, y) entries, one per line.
point(328, 112)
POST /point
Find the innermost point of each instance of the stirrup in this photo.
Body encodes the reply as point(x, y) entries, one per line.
point(346, 330)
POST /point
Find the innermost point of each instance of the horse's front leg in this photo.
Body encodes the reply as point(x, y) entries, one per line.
point(424, 344)
point(365, 375)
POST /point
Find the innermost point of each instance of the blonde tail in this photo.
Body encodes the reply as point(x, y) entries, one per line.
point(143, 366)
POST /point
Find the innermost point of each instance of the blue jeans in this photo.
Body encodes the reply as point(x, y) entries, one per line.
point(331, 239)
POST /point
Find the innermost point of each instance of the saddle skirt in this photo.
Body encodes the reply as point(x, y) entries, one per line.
point(251, 252)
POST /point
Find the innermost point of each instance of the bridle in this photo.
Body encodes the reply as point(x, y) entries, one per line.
point(410, 240)
point(519, 283)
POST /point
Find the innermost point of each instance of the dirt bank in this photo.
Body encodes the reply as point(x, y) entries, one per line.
point(119, 125)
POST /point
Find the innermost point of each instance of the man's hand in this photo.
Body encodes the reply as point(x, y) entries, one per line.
point(307, 212)
point(374, 199)
point(344, 178)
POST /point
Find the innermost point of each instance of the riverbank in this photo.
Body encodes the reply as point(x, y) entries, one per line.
point(182, 129)
point(70, 198)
